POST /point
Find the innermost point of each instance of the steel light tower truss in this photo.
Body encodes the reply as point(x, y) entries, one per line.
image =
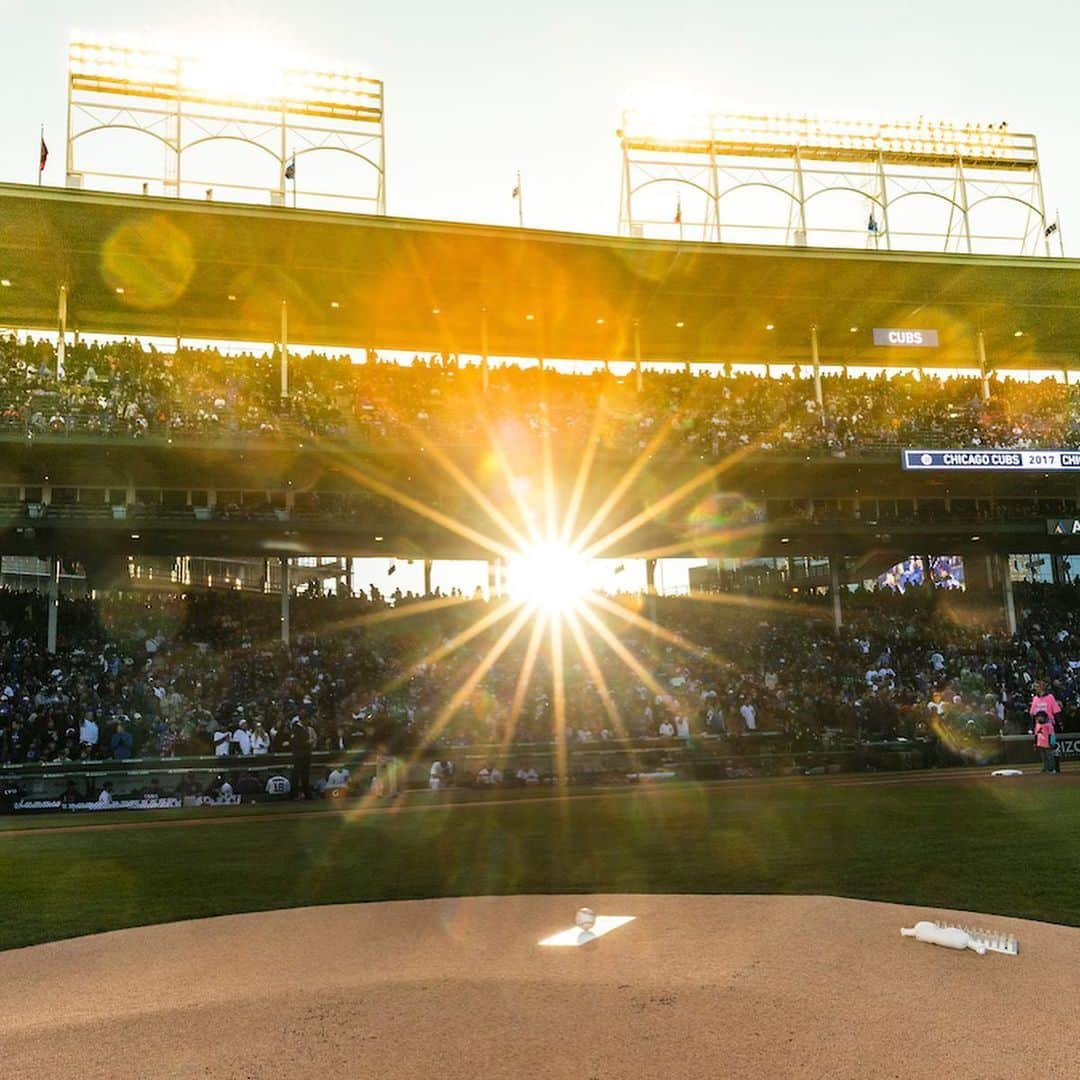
point(183, 104)
point(896, 172)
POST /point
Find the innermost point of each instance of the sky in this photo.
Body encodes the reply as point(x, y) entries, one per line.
point(477, 91)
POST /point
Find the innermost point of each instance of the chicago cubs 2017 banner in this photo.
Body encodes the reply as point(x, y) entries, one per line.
point(1020, 460)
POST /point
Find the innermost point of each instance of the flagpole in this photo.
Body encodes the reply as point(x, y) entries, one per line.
point(41, 143)
point(521, 202)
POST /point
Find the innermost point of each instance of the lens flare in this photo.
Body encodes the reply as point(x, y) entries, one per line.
point(551, 576)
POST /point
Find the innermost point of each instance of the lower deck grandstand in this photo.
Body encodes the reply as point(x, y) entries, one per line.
point(145, 676)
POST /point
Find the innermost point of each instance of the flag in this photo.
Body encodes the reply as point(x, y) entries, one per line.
point(620, 568)
point(392, 571)
point(1050, 229)
point(872, 225)
point(290, 169)
point(516, 193)
point(678, 209)
point(43, 155)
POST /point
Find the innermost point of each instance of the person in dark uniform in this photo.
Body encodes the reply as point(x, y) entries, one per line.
point(300, 745)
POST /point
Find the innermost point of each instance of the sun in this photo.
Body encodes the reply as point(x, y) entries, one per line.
point(551, 576)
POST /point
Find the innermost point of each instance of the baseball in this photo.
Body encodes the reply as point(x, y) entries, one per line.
point(585, 918)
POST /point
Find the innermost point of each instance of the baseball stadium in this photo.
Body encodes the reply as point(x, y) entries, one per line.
point(440, 648)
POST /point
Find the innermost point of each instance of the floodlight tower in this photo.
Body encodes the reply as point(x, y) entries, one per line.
point(786, 172)
point(184, 102)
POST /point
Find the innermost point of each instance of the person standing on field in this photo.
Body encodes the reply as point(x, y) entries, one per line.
point(1044, 731)
point(1044, 702)
point(300, 745)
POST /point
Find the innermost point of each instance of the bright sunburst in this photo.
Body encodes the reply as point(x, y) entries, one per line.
point(551, 548)
point(551, 576)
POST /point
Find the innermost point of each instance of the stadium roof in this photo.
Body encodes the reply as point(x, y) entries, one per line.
point(154, 266)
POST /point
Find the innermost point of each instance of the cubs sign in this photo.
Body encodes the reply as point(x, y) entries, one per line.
point(997, 460)
point(905, 339)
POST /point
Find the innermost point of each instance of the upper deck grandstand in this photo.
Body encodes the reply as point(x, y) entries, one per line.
point(704, 357)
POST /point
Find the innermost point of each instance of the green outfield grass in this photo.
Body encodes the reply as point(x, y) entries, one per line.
point(1001, 846)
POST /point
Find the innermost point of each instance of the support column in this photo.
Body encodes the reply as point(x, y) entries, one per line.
point(484, 369)
point(637, 354)
point(492, 578)
point(284, 348)
point(427, 577)
point(834, 588)
point(816, 362)
point(285, 597)
point(1059, 569)
point(984, 376)
point(61, 334)
point(1007, 594)
point(650, 576)
point(54, 603)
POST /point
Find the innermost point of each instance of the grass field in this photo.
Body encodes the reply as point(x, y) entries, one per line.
point(1002, 846)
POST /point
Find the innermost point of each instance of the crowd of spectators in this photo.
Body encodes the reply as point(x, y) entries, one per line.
point(149, 675)
point(123, 390)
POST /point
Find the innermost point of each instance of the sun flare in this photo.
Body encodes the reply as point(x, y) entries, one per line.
point(551, 576)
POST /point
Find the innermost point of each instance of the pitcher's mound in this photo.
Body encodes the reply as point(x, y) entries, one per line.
point(709, 986)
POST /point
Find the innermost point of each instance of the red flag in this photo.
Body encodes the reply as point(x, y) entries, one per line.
point(44, 155)
point(678, 210)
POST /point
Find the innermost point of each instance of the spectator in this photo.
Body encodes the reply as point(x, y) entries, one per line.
point(260, 740)
point(241, 738)
point(121, 743)
point(88, 735)
point(749, 715)
point(222, 741)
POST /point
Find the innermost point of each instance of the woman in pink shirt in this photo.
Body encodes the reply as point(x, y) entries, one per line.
point(1044, 702)
point(1044, 730)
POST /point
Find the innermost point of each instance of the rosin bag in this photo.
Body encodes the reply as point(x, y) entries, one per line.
point(952, 937)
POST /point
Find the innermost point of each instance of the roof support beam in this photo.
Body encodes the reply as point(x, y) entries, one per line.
point(284, 349)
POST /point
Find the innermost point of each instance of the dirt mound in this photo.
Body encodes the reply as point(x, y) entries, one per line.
point(696, 986)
